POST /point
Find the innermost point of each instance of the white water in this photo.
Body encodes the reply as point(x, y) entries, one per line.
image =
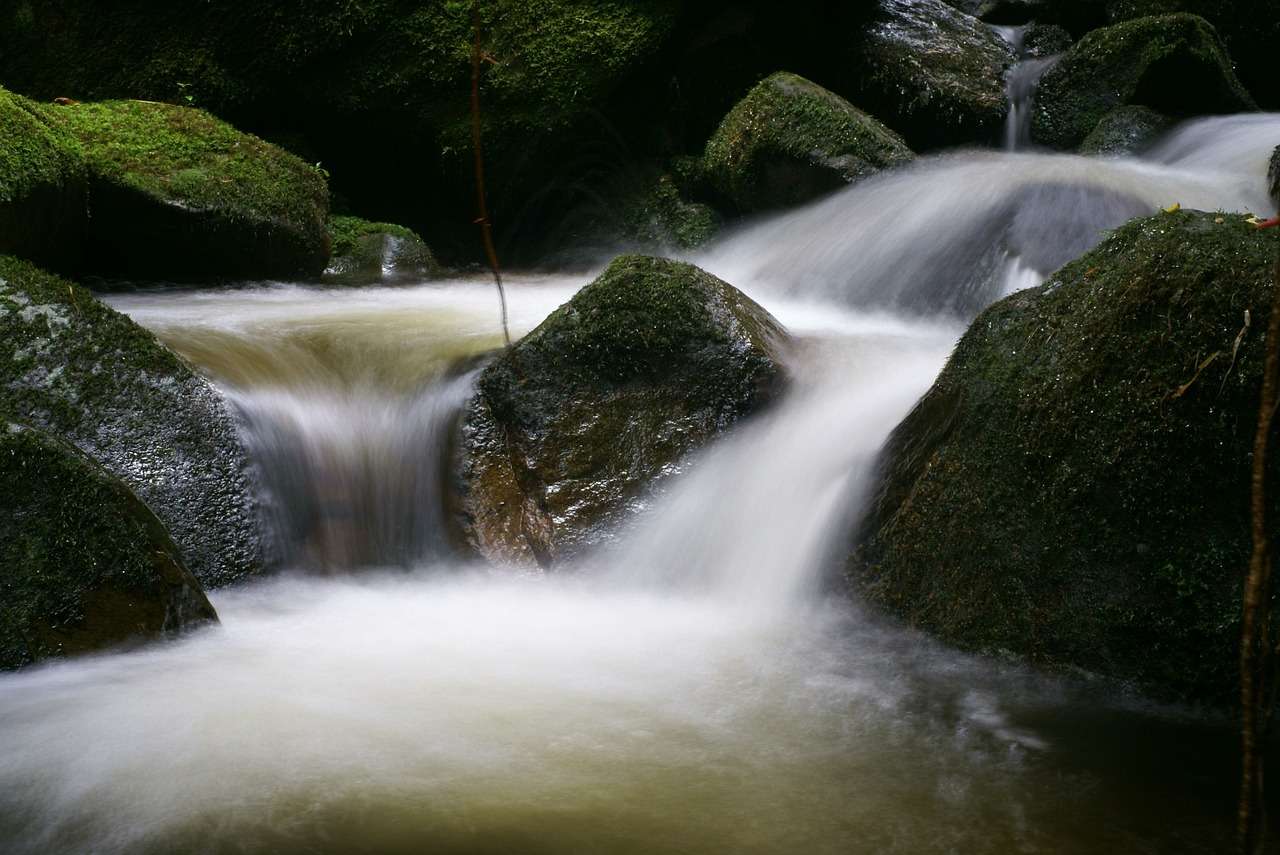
point(688, 689)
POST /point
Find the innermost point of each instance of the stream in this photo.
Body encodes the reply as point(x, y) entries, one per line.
point(695, 684)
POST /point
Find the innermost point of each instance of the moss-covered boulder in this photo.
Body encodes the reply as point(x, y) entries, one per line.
point(178, 195)
point(1250, 29)
point(1074, 488)
point(1174, 64)
point(43, 186)
point(934, 74)
point(578, 421)
point(1125, 131)
point(789, 141)
point(375, 251)
point(84, 372)
point(84, 565)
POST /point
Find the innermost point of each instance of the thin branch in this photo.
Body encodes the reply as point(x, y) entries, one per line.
point(476, 56)
point(1257, 659)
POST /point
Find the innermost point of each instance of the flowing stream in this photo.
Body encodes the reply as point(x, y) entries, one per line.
point(691, 687)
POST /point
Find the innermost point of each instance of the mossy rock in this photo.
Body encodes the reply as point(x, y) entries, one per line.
point(579, 421)
point(1074, 488)
point(934, 74)
point(1125, 131)
point(179, 195)
point(789, 141)
point(44, 207)
point(371, 251)
point(1250, 29)
point(84, 565)
point(84, 372)
point(1174, 64)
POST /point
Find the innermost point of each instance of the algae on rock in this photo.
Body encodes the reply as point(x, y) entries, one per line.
point(179, 195)
point(86, 373)
point(581, 418)
point(1074, 487)
point(789, 141)
point(43, 186)
point(84, 565)
point(1175, 64)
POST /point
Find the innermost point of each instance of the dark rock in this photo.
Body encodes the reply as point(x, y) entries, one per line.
point(934, 74)
point(789, 141)
point(1074, 488)
point(580, 419)
point(1174, 64)
point(84, 372)
point(178, 195)
point(43, 186)
point(1125, 131)
point(1273, 176)
point(84, 565)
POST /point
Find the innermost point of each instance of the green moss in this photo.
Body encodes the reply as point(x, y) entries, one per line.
point(587, 412)
point(789, 140)
point(1076, 483)
point(86, 373)
point(185, 155)
point(1176, 64)
point(34, 151)
point(83, 564)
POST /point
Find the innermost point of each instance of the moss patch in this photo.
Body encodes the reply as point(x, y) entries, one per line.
point(364, 248)
point(789, 140)
point(1074, 488)
point(43, 185)
point(83, 563)
point(1175, 64)
point(84, 372)
point(185, 183)
point(586, 413)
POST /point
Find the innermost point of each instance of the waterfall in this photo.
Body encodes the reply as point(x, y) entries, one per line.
point(691, 687)
point(1020, 88)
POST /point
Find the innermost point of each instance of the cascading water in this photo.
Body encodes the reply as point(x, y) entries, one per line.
point(1020, 86)
point(690, 687)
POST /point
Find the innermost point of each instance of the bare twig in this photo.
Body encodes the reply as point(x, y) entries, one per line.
point(476, 56)
point(1257, 658)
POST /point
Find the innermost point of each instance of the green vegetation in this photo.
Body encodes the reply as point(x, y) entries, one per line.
point(83, 563)
point(585, 414)
point(1074, 488)
point(86, 373)
point(1175, 64)
point(789, 140)
point(361, 246)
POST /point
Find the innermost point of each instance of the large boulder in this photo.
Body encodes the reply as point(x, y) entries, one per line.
point(84, 565)
point(1074, 488)
point(178, 195)
point(43, 186)
point(1174, 64)
point(573, 425)
point(934, 74)
point(86, 373)
point(789, 141)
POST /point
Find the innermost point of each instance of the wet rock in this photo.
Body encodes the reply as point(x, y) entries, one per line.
point(1125, 131)
point(1273, 177)
point(86, 373)
point(1074, 488)
point(84, 565)
point(43, 186)
point(178, 195)
point(934, 74)
point(789, 141)
point(577, 423)
point(1174, 64)
point(376, 251)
